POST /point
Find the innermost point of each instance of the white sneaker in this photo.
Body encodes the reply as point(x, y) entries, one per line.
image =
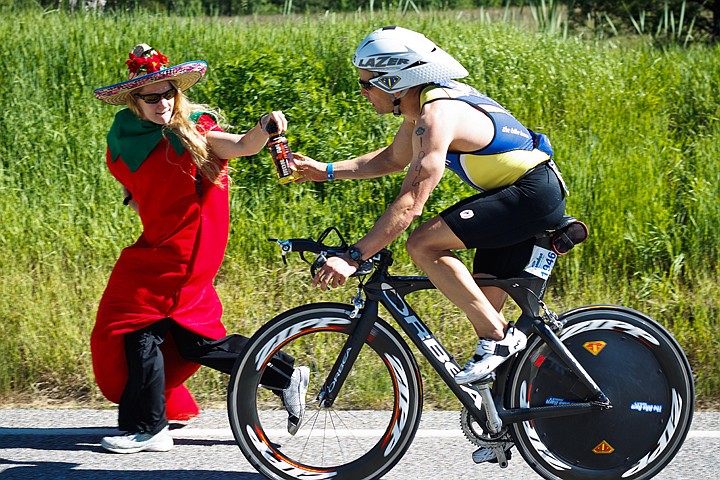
point(294, 398)
point(139, 442)
point(489, 354)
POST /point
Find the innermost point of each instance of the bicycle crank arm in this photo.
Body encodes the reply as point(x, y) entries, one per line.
point(501, 454)
point(494, 422)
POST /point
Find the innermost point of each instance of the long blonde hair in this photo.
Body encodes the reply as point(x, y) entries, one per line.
point(209, 165)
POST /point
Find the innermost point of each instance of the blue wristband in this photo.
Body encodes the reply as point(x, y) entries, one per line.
point(330, 172)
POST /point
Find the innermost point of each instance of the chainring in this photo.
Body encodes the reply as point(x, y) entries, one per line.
point(476, 434)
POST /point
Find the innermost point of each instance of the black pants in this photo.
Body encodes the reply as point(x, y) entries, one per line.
point(142, 404)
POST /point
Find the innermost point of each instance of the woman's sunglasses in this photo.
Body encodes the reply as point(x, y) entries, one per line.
point(153, 98)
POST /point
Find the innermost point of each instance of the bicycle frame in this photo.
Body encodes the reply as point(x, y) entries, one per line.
point(390, 290)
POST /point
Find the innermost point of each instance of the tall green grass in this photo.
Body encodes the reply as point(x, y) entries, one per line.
point(634, 131)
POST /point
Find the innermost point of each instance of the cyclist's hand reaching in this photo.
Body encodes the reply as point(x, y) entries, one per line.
point(334, 273)
point(311, 169)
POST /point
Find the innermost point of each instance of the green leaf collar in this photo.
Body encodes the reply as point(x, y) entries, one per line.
point(133, 139)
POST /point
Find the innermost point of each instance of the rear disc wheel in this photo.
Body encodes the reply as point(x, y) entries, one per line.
point(641, 369)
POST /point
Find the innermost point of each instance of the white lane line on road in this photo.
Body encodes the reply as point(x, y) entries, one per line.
point(357, 433)
point(704, 434)
point(227, 433)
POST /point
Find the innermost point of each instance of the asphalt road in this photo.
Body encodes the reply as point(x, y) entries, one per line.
point(64, 444)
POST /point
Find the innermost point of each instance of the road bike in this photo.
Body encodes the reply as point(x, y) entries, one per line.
point(600, 392)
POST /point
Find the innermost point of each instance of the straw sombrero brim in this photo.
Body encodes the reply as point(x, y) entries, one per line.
point(184, 76)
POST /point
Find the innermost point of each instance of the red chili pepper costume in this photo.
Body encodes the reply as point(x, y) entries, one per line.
point(169, 271)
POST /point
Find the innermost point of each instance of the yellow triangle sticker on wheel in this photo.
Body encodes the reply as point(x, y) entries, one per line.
point(594, 347)
point(603, 448)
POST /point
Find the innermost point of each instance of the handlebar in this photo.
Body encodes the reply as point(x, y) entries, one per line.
point(323, 252)
point(301, 245)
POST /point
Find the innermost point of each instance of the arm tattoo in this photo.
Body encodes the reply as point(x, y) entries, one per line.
point(421, 154)
point(418, 169)
point(416, 180)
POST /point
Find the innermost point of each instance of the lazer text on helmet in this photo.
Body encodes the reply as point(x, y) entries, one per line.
point(383, 61)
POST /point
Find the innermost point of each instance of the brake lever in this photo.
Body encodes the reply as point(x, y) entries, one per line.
point(285, 248)
point(320, 260)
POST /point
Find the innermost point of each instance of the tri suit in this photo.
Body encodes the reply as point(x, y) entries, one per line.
point(521, 192)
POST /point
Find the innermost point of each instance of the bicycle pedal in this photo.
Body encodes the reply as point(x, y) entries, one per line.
point(499, 453)
point(483, 454)
point(501, 456)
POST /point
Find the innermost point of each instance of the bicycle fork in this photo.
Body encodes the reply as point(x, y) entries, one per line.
point(349, 354)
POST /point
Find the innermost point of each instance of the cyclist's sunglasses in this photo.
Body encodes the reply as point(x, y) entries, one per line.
point(365, 85)
point(153, 98)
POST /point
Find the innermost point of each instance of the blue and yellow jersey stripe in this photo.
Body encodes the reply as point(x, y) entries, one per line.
point(513, 150)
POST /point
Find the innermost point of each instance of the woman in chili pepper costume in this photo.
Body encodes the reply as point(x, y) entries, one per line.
point(159, 318)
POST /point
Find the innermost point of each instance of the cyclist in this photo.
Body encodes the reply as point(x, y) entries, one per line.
point(447, 124)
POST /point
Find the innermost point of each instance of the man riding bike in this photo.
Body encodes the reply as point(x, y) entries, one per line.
point(447, 124)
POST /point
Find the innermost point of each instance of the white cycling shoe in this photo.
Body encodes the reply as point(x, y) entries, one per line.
point(489, 354)
point(294, 398)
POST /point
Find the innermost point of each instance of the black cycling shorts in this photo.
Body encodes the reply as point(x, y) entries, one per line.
point(501, 224)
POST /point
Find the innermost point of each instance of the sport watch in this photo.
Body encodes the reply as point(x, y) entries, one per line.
point(355, 255)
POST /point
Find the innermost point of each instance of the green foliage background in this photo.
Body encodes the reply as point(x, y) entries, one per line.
point(634, 128)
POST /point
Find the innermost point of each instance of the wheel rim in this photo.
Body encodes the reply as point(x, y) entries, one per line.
point(335, 436)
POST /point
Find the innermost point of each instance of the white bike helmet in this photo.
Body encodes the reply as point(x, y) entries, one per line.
point(404, 59)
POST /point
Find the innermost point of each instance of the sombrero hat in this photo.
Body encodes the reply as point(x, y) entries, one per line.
point(147, 66)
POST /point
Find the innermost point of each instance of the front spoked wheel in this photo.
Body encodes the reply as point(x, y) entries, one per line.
point(340, 441)
point(641, 369)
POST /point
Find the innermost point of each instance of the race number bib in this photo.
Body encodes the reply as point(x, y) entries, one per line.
point(542, 262)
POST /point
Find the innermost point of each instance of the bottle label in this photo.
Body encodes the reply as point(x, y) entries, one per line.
point(282, 158)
